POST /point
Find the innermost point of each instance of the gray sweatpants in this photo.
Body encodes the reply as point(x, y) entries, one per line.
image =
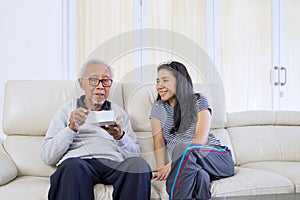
point(191, 173)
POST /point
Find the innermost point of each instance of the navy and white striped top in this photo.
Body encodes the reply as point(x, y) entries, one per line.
point(162, 111)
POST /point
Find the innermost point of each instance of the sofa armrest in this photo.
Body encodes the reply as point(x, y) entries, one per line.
point(8, 170)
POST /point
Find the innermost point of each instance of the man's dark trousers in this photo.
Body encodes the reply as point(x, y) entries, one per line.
point(75, 178)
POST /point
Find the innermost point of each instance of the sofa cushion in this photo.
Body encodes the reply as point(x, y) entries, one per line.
point(33, 115)
point(263, 117)
point(8, 170)
point(103, 191)
point(288, 118)
point(251, 182)
point(36, 188)
point(26, 187)
point(138, 100)
point(287, 169)
point(251, 118)
point(147, 149)
point(265, 143)
point(26, 154)
point(160, 190)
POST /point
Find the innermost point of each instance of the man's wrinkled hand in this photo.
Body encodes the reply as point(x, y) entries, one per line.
point(77, 118)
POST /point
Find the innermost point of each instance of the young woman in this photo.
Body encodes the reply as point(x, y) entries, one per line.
point(180, 121)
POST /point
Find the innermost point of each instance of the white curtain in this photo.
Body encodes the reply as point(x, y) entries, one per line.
point(290, 100)
point(246, 53)
point(98, 21)
point(245, 43)
point(185, 18)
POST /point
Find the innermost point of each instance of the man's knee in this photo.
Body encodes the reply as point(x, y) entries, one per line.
point(74, 166)
point(137, 165)
point(72, 162)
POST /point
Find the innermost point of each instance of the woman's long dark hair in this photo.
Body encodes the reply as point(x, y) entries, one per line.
point(184, 109)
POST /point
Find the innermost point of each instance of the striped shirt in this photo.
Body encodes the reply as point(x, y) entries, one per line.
point(162, 111)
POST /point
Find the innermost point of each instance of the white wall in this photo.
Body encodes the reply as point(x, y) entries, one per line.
point(31, 42)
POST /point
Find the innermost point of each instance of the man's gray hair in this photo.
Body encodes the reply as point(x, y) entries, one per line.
point(93, 61)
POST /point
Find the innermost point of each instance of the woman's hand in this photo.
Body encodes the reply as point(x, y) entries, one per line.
point(198, 140)
point(162, 173)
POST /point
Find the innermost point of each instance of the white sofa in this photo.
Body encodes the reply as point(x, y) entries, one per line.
point(264, 144)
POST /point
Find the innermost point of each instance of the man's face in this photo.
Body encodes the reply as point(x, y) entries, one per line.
point(95, 94)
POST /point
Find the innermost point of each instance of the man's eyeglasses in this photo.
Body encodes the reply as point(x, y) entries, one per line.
point(96, 82)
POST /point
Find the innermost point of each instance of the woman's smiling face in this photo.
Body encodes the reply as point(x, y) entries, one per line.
point(166, 85)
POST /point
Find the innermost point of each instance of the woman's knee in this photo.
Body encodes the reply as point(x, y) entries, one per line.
point(179, 150)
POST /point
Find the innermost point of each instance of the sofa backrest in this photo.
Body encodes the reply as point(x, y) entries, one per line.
point(265, 135)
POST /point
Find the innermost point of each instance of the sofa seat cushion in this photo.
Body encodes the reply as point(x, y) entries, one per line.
point(158, 191)
point(103, 191)
point(248, 181)
point(8, 170)
point(36, 188)
point(265, 143)
point(287, 169)
point(26, 187)
point(25, 151)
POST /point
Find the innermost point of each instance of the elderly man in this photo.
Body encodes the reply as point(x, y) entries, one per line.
point(87, 154)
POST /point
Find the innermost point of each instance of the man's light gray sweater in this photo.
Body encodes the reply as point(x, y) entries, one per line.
point(90, 141)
